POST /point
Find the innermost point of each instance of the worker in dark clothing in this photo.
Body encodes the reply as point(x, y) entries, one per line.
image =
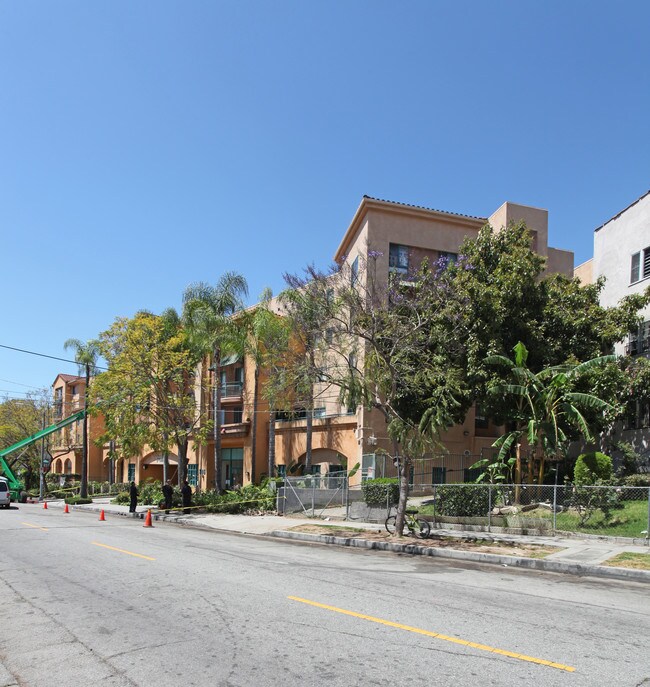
point(168, 492)
point(186, 493)
point(133, 493)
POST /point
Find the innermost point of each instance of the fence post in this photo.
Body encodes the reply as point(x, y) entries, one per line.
point(489, 507)
point(347, 497)
point(554, 507)
point(313, 497)
point(434, 505)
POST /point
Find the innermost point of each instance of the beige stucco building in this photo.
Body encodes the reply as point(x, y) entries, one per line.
point(400, 236)
point(66, 445)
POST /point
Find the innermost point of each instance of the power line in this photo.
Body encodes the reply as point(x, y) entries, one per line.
point(52, 357)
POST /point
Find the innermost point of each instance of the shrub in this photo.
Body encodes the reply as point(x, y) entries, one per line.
point(250, 497)
point(381, 492)
point(589, 499)
point(637, 480)
point(462, 500)
point(592, 467)
point(122, 498)
point(76, 500)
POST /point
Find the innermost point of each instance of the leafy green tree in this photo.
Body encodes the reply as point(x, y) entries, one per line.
point(392, 349)
point(544, 407)
point(20, 418)
point(212, 331)
point(86, 356)
point(505, 297)
point(146, 396)
point(265, 343)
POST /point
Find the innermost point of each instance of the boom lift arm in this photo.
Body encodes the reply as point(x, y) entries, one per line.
point(15, 485)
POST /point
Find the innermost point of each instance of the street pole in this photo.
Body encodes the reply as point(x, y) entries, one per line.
point(41, 488)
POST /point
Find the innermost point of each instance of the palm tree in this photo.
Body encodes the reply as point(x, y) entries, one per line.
point(207, 312)
point(266, 343)
point(546, 410)
point(86, 355)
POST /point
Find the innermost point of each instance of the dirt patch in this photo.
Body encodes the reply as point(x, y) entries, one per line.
point(460, 544)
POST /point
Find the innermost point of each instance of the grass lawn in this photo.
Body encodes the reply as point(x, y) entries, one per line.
point(629, 521)
point(639, 561)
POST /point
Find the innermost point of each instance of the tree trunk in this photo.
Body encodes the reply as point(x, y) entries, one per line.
point(271, 466)
point(254, 423)
point(517, 473)
point(83, 492)
point(216, 395)
point(182, 461)
point(404, 465)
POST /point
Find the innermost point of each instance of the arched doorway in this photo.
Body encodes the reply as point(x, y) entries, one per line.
point(327, 463)
point(152, 467)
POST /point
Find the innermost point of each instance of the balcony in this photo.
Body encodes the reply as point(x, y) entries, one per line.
point(231, 391)
point(632, 348)
point(235, 429)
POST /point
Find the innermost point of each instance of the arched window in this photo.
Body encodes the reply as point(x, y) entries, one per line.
point(68, 467)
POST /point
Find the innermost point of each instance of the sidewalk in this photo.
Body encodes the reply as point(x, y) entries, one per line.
point(578, 556)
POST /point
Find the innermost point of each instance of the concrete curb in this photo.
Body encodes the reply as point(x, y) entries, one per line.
point(476, 557)
point(490, 558)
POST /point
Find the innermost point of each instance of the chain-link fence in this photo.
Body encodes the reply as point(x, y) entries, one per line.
point(313, 494)
point(615, 511)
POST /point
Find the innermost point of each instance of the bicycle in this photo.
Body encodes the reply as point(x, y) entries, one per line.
point(412, 524)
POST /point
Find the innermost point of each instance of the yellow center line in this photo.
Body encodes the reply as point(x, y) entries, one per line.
point(129, 553)
point(437, 635)
point(36, 527)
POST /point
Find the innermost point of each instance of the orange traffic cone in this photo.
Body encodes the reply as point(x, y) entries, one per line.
point(66, 509)
point(147, 520)
point(45, 505)
point(101, 515)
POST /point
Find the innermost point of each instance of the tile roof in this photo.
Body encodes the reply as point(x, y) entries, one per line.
point(423, 207)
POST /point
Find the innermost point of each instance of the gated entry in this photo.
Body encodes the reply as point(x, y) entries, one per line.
point(312, 494)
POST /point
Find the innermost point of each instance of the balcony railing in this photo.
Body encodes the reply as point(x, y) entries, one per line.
point(303, 416)
point(231, 390)
point(237, 429)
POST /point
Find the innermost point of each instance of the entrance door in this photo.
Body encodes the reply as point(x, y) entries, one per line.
point(232, 467)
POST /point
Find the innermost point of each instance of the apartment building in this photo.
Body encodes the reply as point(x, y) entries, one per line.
point(400, 236)
point(66, 445)
point(622, 256)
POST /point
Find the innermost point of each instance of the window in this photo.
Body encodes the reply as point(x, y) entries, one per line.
point(354, 271)
point(480, 419)
point(471, 474)
point(439, 476)
point(447, 259)
point(319, 412)
point(329, 335)
point(398, 258)
point(239, 374)
point(192, 474)
point(640, 267)
point(237, 414)
point(131, 472)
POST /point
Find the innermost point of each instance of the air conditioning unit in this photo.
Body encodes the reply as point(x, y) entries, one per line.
point(372, 441)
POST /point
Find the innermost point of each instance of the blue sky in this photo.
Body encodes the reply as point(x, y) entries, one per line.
point(149, 144)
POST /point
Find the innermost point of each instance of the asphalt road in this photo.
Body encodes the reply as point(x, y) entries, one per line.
point(85, 602)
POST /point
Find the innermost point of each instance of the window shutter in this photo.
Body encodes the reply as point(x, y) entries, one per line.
point(634, 272)
point(646, 263)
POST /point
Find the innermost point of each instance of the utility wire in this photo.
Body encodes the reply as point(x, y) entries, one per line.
point(52, 357)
